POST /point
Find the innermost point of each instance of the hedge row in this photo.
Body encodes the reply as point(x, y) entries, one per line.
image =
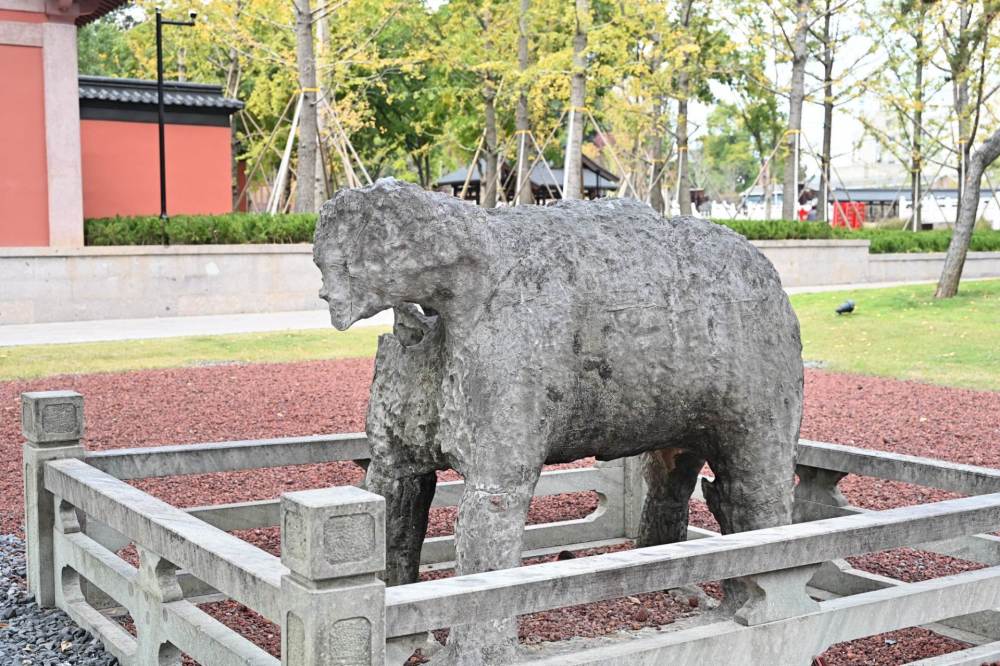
point(883, 241)
point(229, 229)
point(783, 230)
point(241, 228)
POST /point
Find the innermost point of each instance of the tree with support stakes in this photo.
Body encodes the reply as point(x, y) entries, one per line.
point(838, 22)
point(305, 185)
point(522, 120)
point(967, 35)
point(796, 97)
point(573, 164)
point(683, 89)
point(968, 209)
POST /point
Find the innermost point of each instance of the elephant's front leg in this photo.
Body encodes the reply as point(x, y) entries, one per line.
point(489, 537)
point(408, 494)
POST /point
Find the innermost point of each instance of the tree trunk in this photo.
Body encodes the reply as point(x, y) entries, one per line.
point(823, 196)
point(916, 162)
point(824, 178)
point(765, 172)
point(768, 190)
point(182, 64)
point(656, 158)
point(964, 143)
point(322, 36)
point(960, 64)
point(573, 164)
point(232, 90)
point(488, 186)
point(789, 193)
point(958, 248)
point(683, 182)
point(683, 80)
point(524, 194)
point(305, 186)
point(418, 162)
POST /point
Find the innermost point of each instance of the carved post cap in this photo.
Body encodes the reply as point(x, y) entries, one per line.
point(49, 417)
point(333, 532)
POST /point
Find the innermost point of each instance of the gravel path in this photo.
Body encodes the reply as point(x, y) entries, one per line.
point(243, 402)
point(33, 636)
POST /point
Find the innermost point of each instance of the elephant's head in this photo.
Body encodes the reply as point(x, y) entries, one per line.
point(386, 244)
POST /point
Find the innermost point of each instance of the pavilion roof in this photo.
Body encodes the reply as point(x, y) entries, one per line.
point(540, 176)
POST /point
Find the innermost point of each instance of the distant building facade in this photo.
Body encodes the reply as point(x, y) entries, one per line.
point(938, 207)
point(120, 149)
point(71, 148)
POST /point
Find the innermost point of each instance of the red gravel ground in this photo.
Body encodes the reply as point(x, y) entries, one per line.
point(244, 402)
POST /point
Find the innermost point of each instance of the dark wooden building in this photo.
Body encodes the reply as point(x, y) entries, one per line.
point(545, 182)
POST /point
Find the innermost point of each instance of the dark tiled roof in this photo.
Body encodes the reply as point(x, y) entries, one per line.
point(892, 194)
point(540, 176)
point(176, 94)
point(102, 7)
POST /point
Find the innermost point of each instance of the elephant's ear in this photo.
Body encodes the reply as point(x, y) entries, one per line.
point(411, 325)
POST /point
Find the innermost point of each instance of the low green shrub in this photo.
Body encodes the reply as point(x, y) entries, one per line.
point(228, 229)
point(243, 228)
point(782, 229)
point(883, 241)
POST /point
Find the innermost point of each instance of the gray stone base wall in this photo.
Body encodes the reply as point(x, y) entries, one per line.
point(808, 263)
point(49, 285)
point(905, 267)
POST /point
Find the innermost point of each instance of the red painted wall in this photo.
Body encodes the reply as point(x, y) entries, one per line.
point(24, 207)
point(121, 172)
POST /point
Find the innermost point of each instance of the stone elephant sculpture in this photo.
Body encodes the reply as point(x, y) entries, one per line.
point(548, 334)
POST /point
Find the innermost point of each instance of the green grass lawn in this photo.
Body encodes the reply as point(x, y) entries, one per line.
point(905, 333)
point(284, 346)
point(900, 332)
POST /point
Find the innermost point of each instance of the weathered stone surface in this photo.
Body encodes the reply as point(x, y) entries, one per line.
point(334, 606)
point(777, 595)
point(332, 532)
point(52, 417)
point(52, 424)
point(548, 334)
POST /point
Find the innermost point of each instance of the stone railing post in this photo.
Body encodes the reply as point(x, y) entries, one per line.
point(776, 595)
point(634, 495)
point(333, 542)
point(52, 424)
point(816, 486)
point(158, 585)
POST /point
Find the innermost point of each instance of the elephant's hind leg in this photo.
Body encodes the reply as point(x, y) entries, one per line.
point(671, 475)
point(752, 490)
point(408, 496)
point(751, 494)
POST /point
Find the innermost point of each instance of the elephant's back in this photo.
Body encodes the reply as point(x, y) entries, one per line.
point(644, 311)
point(618, 253)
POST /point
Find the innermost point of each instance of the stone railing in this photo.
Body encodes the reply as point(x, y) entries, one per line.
point(324, 593)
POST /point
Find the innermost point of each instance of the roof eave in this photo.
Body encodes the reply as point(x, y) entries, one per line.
point(91, 10)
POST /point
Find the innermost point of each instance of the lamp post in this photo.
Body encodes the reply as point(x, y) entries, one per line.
point(160, 22)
